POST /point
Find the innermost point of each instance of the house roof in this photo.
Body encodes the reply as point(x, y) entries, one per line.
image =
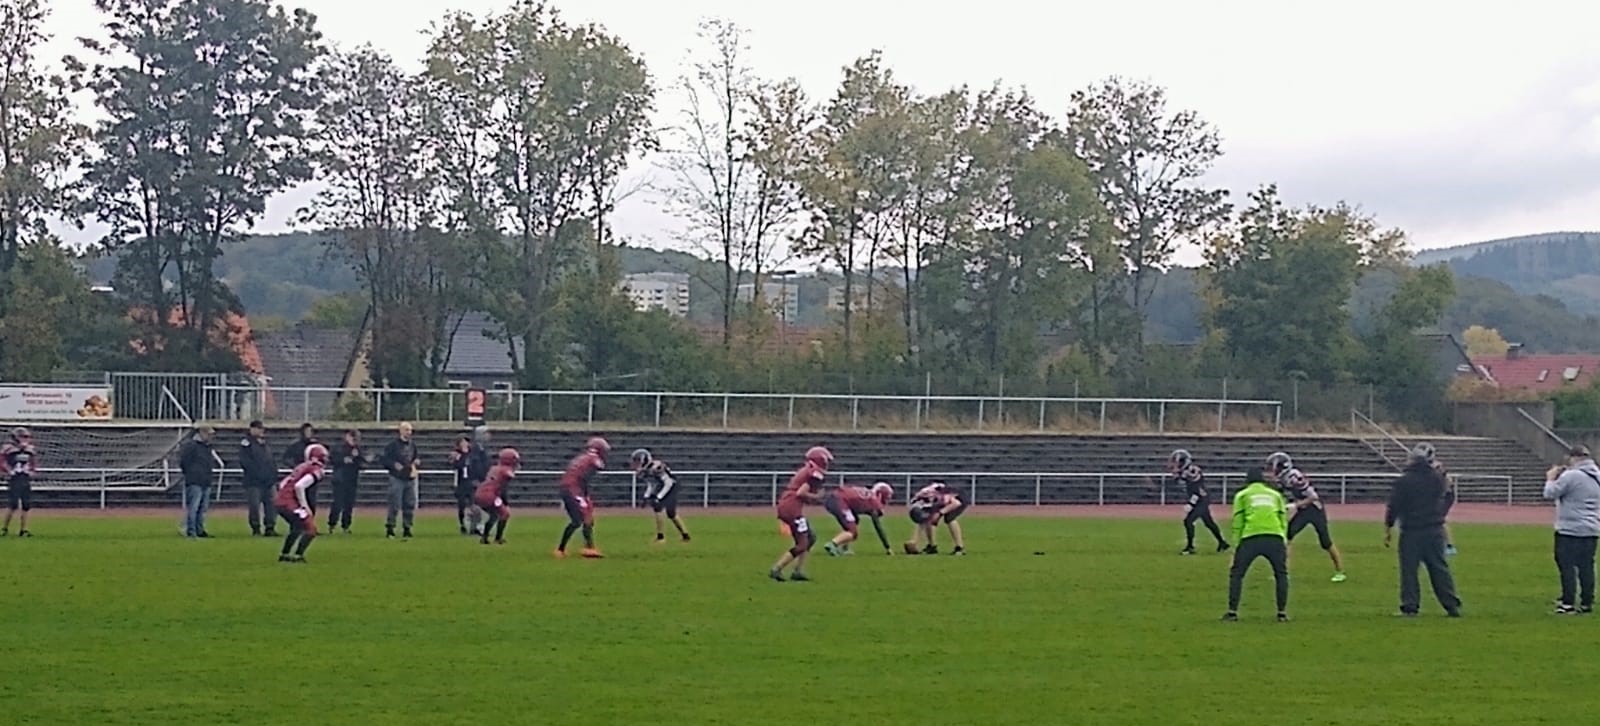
point(473, 352)
point(1541, 372)
point(304, 356)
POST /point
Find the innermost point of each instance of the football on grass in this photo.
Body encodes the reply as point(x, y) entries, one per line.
point(911, 548)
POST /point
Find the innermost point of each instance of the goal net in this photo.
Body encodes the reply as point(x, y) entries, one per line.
point(109, 457)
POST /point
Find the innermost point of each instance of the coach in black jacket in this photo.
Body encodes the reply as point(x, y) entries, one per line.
point(1418, 502)
point(260, 473)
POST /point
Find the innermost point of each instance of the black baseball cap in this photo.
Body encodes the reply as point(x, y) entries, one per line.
point(1254, 475)
point(1582, 451)
point(256, 424)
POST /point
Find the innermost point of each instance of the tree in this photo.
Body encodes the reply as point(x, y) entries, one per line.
point(206, 106)
point(382, 208)
point(1484, 342)
point(555, 112)
point(66, 325)
point(1277, 289)
point(1148, 163)
point(38, 140)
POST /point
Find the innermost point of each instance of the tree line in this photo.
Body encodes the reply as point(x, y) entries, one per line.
point(976, 231)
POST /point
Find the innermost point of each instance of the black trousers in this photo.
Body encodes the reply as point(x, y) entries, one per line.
point(1425, 548)
point(344, 504)
point(1276, 551)
point(1575, 560)
point(1200, 511)
point(258, 506)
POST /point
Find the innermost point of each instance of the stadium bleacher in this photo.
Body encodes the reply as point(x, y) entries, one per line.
point(998, 468)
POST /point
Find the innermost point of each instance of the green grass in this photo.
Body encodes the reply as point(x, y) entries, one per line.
point(120, 621)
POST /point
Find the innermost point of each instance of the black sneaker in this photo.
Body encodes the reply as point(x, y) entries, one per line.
point(407, 534)
point(1283, 617)
point(1187, 551)
point(202, 535)
point(298, 559)
point(1585, 609)
point(1230, 617)
point(686, 538)
point(24, 533)
point(799, 577)
point(960, 552)
point(930, 550)
point(270, 533)
point(388, 533)
point(1223, 547)
point(499, 540)
point(285, 558)
point(1453, 614)
point(463, 529)
point(776, 575)
point(255, 533)
point(1565, 609)
point(484, 539)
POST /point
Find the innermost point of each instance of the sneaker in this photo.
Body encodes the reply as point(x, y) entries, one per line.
point(24, 533)
point(1224, 546)
point(483, 540)
point(388, 533)
point(592, 553)
point(1338, 577)
point(255, 533)
point(1230, 617)
point(560, 554)
point(1283, 617)
point(283, 558)
point(298, 559)
point(930, 550)
point(1566, 610)
point(202, 535)
point(832, 549)
point(463, 530)
point(499, 540)
point(775, 575)
point(1405, 614)
point(799, 577)
point(1187, 551)
point(346, 530)
point(959, 552)
point(1585, 609)
point(686, 538)
point(407, 534)
point(270, 533)
point(1453, 614)
point(1449, 550)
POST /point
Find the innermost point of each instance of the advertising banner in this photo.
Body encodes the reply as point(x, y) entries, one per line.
point(55, 403)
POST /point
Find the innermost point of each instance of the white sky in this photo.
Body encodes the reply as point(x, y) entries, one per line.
point(1455, 125)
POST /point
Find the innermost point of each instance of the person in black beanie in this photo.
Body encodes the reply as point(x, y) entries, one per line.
point(1418, 503)
point(260, 480)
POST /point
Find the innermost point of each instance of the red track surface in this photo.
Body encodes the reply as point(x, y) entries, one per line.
point(1465, 513)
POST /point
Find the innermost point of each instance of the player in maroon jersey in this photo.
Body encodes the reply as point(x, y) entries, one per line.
point(292, 504)
point(847, 505)
point(575, 495)
point(491, 495)
point(804, 488)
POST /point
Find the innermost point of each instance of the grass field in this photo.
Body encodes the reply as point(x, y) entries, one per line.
point(121, 621)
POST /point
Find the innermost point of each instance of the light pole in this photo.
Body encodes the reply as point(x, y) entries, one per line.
point(783, 305)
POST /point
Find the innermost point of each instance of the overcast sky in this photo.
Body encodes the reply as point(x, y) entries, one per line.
point(1455, 126)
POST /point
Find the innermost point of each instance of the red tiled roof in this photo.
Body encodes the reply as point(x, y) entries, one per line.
point(1541, 372)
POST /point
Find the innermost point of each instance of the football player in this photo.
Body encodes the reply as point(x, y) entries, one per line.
point(292, 502)
point(490, 496)
point(805, 487)
point(21, 462)
point(575, 498)
point(661, 491)
point(1181, 465)
point(847, 505)
point(940, 502)
point(1306, 507)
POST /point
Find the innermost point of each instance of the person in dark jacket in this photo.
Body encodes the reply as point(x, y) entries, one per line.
point(199, 465)
point(1418, 503)
point(260, 476)
point(401, 463)
point(295, 455)
point(471, 463)
point(348, 461)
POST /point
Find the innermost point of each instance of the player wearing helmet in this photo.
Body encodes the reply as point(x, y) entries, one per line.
point(490, 496)
point(1198, 505)
point(294, 506)
point(575, 495)
point(805, 487)
point(932, 504)
point(847, 504)
point(661, 490)
point(21, 461)
point(1306, 506)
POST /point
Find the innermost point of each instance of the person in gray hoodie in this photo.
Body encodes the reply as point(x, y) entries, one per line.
point(1575, 488)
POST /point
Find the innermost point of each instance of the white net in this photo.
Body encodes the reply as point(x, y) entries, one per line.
point(103, 456)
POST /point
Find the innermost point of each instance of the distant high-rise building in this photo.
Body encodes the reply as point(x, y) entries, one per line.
point(782, 297)
point(667, 291)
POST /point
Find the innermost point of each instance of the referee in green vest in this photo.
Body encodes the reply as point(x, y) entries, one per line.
point(1260, 529)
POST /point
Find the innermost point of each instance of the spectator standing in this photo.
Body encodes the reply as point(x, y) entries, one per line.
point(21, 461)
point(1418, 503)
point(348, 461)
point(1260, 529)
point(471, 463)
point(1575, 488)
point(198, 462)
point(400, 461)
point(260, 481)
point(295, 455)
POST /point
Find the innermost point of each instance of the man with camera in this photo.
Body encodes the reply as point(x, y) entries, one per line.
point(1575, 488)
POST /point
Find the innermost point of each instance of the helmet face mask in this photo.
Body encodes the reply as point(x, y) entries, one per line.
point(1279, 463)
point(510, 457)
point(883, 491)
point(317, 453)
point(1179, 459)
point(819, 455)
point(598, 445)
point(639, 459)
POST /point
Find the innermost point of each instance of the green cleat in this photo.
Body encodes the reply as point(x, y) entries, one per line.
point(1338, 577)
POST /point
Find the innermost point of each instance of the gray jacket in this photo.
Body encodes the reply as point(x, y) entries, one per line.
point(1577, 496)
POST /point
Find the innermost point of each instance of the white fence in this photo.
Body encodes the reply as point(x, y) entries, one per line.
point(658, 408)
point(754, 488)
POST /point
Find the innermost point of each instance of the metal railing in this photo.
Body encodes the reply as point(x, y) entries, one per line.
point(752, 488)
point(1381, 448)
point(658, 408)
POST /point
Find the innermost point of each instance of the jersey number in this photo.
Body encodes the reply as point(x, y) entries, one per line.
point(801, 525)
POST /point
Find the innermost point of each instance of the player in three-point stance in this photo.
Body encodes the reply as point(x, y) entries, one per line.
point(932, 504)
point(847, 504)
point(490, 496)
point(661, 490)
point(575, 495)
point(1182, 466)
point(21, 461)
point(292, 503)
point(1306, 506)
point(804, 488)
